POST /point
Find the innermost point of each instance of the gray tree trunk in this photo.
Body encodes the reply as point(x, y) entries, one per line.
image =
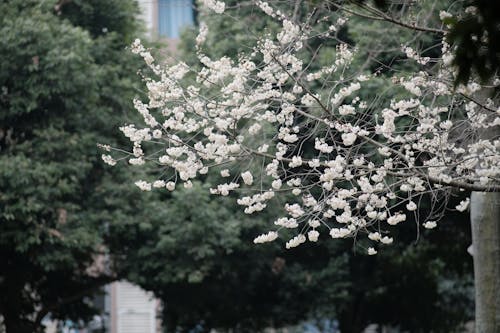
point(485, 220)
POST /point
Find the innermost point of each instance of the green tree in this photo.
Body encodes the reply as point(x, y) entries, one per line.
point(195, 253)
point(66, 82)
point(197, 256)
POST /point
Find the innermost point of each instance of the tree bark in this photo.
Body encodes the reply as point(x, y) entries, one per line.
point(485, 220)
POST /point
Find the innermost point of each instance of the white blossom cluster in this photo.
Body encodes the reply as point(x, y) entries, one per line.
point(217, 6)
point(362, 172)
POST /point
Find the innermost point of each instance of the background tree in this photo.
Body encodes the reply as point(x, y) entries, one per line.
point(66, 82)
point(214, 278)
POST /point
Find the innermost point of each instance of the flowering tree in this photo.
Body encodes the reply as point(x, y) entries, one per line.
point(345, 159)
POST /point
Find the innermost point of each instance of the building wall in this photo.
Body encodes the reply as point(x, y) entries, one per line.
point(132, 310)
point(149, 15)
point(165, 19)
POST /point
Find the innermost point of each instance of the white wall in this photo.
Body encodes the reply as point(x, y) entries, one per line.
point(149, 14)
point(135, 309)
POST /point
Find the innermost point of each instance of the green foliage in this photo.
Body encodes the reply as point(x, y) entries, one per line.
point(197, 255)
point(407, 285)
point(63, 89)
point(476, 37)
point(101, 18)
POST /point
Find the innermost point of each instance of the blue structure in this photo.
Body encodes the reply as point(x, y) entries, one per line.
point(173, 16)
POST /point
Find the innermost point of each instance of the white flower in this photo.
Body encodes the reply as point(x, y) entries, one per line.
point(170, 186)
point(266, 8)
point(386, 240)
point(136, 46)
point(314, 163)
point(264, 238)
point(286, 222)
point(444, 15)
point(411, 206)
point(339, 232)
point(322, 146)
point(143, 185)
point(290, 138)
point(263, 149)
point(396, 218)
point(295, 241)
point(254, 129)
point(136, 161)
point(138, 151)
point(345, 110)
point(108, 159)
point(384, 151)
point(158, 184)
point(363, 78)
point(341, 20)
point(216, 6)
point(405, 187)
point(202, 35)
point(314, 223)
point(105, 147)
point(225, 173)
point(348, 138)
point(247, 178)
point(223, 189)
point(430, 224)
point(276, 184)
point(157, 134)
point(464, 204)
point(294, 210)
point(296, 162)
point(289, 33)
point(371, 251)
point(313, 236)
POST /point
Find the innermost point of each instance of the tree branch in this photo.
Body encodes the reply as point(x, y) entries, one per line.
point(381, 16)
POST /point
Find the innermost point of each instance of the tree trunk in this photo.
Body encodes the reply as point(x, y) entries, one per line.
point(485, 220)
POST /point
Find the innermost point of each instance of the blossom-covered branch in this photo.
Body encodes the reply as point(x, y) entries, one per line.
point(275, 123)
